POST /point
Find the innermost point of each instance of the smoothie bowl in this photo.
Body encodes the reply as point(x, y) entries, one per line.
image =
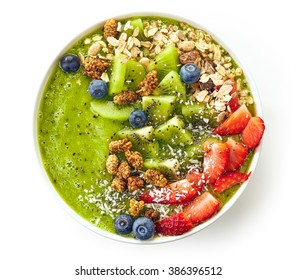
point(148, 129)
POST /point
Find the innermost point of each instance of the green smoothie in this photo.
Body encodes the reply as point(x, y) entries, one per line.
point(74, 136)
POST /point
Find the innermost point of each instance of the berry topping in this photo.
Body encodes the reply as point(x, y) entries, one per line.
point(70, 63)
point(229, 180)
point(237, 155)
point(174, 225)
point(202, 208)
point(196, 178)
point(235, 123)
point(216, 157)
point(97, 89)
point(143, 228)
point(252, 134)
point(175, 193)
point(138, 118)
point(123, 224)
point(233, 103)
point(190, 73)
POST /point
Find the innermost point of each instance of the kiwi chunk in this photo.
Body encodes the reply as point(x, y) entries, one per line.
point(118, 74)
point(142, 140)
point(135, 73)
point(199, 113)
point(173, 132)
point(109, 110)
point(140, 134)
point(165, 61)
point(196, 150)
point(158, 108)
point(173, 85)
point(169, 167)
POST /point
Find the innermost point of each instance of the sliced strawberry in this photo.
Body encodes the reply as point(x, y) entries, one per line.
point(237, 155)
point(178, 192)
point(253, 132)
point(235, 123)
point(229, 180)
point(177, 224)
point(202, 208)
point(196, 178)
point(216, 156)
point(233, 103)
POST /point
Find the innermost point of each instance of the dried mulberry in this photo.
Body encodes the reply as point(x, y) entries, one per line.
point(155, 177)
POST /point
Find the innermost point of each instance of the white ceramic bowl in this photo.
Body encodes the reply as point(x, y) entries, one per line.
point(156, 240)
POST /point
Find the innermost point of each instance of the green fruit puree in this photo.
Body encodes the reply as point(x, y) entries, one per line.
point(73, 141)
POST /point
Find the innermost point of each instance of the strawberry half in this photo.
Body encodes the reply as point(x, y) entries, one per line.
point(237, 155)
point(196, 178)
point(177, 224)
point(216, 156)
point(253, 132)
point(229, 180)
point(178, 192)
point(235, 123)
point(202, 208)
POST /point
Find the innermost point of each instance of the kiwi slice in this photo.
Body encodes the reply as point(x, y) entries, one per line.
point(165, 61)
point(109, 110)
point(138, 23)
point(169, 167)
point(173, 85)
point(118, 74)
point(199, 113)
point(135, 73)
point(158, 108)
point(173, 132)
point(142, 140)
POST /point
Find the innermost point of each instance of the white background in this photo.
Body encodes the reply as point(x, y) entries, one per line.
point(256, 239)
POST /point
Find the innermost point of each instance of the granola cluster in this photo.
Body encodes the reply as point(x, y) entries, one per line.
point(94, 67)
point(152, 214)
point(125, 97)
point(149, 83)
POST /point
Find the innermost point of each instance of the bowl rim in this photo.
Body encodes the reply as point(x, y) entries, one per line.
point(161, 239)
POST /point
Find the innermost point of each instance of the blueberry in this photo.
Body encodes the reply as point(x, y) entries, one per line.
point(189, 73)
point(97, 89)
point(143, 228)
point(70, 63)
point(138, 118)
point(123, 224)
